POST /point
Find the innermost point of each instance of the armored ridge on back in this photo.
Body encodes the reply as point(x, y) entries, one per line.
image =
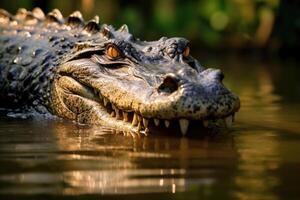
point(94, 74)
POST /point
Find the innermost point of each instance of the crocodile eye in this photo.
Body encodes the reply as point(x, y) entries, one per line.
point(186, 51)
point(113, 52)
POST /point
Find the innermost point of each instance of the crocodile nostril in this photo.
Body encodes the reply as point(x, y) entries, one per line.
point(169, 84)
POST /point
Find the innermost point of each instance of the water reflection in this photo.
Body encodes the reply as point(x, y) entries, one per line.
point(72, 159)
point(128, 181)
point(141, 164)
point(259, 158)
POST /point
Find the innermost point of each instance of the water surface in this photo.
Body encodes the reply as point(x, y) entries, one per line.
point(257, 159)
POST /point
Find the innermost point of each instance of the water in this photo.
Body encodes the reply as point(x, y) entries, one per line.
point(257, 159)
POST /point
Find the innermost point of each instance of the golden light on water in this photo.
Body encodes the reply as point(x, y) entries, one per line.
point(125, 181)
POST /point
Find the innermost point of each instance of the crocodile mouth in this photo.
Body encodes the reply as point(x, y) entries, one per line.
point(140, 124)
point(88, 93)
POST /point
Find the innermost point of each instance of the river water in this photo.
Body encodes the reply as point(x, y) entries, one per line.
point(257, 159)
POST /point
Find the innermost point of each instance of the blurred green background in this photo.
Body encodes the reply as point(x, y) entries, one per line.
point(269, 26)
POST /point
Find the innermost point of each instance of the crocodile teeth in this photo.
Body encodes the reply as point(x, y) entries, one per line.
point(139, 118)
point(228, 121)
point(156, 122)
point(105, 101)
point(116, 110)
point(205, 123)
point(113, 114)
point(167, 123)
point(100, 96)
point(147, 131)
point(145, 122)
point(135, 120)
point(125, 115)
point(184, 125)
point(139, 126)
point(117, 113)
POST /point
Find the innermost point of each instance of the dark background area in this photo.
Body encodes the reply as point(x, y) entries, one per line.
point(262, 27)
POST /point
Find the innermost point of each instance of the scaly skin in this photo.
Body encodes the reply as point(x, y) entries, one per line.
point(66, 67)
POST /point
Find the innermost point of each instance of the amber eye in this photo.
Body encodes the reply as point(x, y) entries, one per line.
point(186, 51)
point(113, 52)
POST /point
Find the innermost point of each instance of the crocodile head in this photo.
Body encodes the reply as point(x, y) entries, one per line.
point(135, 85)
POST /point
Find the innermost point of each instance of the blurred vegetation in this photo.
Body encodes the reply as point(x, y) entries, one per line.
point(270, 25)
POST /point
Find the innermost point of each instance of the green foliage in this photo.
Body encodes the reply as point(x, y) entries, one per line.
point(212, 23)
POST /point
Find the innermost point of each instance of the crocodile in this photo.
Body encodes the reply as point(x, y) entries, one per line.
point(92, 73)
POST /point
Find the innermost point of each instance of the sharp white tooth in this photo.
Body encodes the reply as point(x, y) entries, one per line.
point(145, 122)
point(113, 114)
point(139, 126)
point(125, 115)
point(156, 122)
point(205, 123)
point(117, 113)
point(135, 120)
point(147, 131)
point(167, 123)
point(228, 121)
point(116, 110)
point(139, 118)
point(105, 101)
point(184, 126)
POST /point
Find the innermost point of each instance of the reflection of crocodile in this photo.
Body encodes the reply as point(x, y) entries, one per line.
point(97, 75)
